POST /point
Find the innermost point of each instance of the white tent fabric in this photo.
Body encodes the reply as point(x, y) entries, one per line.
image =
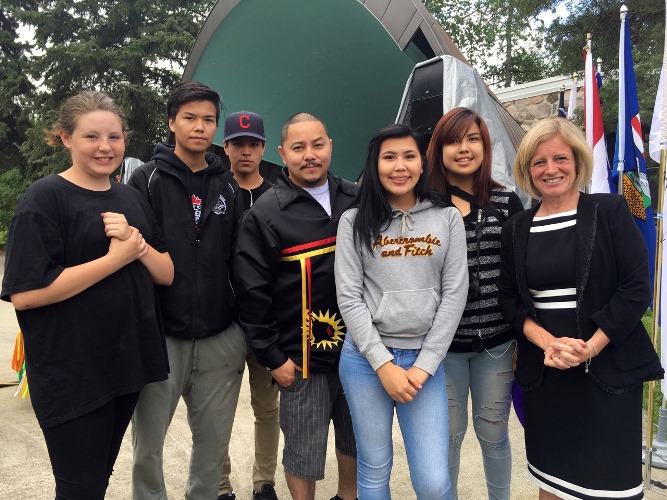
point(130, 164)
point(462, 86)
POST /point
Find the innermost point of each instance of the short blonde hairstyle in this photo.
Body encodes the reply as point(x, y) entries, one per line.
point(543, 131)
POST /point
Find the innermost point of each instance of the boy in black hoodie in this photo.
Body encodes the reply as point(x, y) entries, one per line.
point(192, 196)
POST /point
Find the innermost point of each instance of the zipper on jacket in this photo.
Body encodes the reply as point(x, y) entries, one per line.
point(196, 241)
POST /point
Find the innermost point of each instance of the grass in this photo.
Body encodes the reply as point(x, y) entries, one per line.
point(658, 396)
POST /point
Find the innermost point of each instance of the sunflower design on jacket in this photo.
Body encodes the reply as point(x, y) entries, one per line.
point(327, 330)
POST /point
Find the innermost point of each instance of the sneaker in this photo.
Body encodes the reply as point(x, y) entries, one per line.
point(266, 493)
point(228, 496)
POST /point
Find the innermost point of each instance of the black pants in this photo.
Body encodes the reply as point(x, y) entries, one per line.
point(83, 450)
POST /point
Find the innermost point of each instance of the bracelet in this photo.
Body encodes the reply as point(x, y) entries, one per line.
point(590, 355)
point(590, 344)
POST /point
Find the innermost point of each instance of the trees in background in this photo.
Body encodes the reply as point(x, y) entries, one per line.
point(15, 89)
point(503, 39)
point(601, 18)
point(133, 49)
point(509, 43)
point(136, 51)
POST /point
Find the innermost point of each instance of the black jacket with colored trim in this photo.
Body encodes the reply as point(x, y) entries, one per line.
point(200, 302)
point(284, 261)
point(613, 293)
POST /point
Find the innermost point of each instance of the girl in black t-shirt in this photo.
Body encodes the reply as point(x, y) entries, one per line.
point(82, 259)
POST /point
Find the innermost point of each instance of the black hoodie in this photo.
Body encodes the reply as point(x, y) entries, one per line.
point(200, 302)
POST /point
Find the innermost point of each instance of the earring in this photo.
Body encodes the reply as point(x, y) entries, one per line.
point(421, 171)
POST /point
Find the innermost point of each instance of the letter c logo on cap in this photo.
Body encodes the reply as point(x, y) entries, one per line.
point(244, 121)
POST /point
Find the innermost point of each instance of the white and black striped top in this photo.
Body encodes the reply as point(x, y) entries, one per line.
point(550, 262)
point(481, 317)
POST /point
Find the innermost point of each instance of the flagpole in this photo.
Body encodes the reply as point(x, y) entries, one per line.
point(573, 98)
point(659, 129)
point(657, 277)
point(621, 102)
point(657, 281)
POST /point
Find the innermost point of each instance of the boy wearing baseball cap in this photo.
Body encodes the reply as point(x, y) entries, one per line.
point(244, 143)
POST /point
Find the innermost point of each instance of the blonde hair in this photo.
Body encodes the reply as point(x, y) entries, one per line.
point(78, 105)
point(543, 131)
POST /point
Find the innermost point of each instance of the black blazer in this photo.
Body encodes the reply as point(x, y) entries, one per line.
point(613, 293)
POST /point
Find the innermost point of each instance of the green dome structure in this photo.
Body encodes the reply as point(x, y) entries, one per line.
point(346, 61)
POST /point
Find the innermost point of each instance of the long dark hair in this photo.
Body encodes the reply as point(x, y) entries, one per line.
point(451, 128)
point(374, 212)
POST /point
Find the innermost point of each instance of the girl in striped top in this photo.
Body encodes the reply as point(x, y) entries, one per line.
point(479, 360)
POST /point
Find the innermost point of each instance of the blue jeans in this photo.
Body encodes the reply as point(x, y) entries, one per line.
point(423, 422)
point(488, 377)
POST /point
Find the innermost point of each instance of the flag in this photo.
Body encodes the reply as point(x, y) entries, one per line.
point(573, 100)
point(595, 129)
point(561, 103)
point(657, 134)
point(629, 161)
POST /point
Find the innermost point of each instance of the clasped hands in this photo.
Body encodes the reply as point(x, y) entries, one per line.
point(126, 241)
point(401, 385)
point(566, 352)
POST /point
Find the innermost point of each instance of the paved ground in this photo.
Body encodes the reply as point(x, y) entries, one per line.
point(25, 471)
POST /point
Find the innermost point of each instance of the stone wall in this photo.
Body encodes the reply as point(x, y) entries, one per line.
point(531, 109)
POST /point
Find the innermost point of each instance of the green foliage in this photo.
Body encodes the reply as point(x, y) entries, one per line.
point(133, 49)
point(42, 159)
point(601, 18)
point(15, 88)
point(501, 37)
point(12, 188)
point(524, 66)
point(647, 320)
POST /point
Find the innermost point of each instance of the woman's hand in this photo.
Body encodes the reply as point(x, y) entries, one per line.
point(417, 377)
point(116, 226)
point(566, 352)
point(400, 385)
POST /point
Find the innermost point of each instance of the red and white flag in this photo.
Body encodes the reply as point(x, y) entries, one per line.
point(595, 129)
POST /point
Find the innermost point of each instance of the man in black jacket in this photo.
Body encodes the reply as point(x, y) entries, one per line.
point(193, 199)
point(287, 300)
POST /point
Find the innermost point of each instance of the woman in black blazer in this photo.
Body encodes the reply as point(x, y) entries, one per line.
point(574, 285)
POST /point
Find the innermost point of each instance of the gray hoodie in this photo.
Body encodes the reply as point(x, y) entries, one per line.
point(411, 292)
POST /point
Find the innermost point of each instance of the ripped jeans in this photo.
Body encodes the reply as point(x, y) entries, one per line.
point(488, 377)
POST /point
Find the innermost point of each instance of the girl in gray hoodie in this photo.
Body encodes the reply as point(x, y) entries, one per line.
point(401, 283)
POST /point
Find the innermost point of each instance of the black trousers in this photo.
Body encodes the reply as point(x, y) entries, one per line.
point(83, 450)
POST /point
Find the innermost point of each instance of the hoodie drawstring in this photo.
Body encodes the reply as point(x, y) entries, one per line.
point(406, 221)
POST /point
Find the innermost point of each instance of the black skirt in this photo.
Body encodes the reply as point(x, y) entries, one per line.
point(582, 442)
